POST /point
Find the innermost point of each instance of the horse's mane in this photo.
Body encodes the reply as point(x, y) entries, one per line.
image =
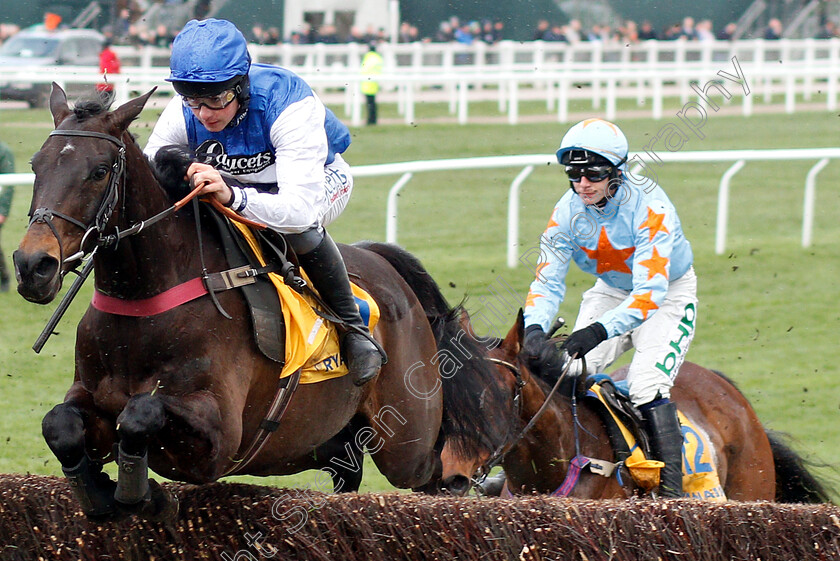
point(477, 414)
point(91, 105)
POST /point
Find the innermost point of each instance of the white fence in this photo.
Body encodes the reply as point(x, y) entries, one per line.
point(510, 72)
point(406, 171)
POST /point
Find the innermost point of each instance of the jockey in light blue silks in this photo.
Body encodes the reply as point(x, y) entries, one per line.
point(625, 231)
point(271, 151)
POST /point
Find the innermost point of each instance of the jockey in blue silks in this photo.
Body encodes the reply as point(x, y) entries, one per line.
point(270, 150)
point(625, 231)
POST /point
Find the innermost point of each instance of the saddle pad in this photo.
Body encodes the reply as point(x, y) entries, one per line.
point(311, 341)
point(700, 476)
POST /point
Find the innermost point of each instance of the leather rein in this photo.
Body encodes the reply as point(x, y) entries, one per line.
point(499, 454)
point(286, 387)
point(94, 230)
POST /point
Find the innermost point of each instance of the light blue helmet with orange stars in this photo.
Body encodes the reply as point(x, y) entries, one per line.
point(592, 140)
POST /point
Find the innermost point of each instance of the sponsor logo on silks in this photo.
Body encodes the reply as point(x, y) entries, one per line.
point(212, 152)
point(680, 345)
point(329, 363)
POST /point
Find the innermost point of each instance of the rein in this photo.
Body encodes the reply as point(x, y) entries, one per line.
point(499, 455)
point(97, 226)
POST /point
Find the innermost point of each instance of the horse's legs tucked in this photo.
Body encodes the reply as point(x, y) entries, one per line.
point(142, 418)
point(63, 429)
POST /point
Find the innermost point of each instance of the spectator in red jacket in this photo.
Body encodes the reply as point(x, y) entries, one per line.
point(109, 63)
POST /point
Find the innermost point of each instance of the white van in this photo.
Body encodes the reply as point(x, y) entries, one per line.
point(36, 47)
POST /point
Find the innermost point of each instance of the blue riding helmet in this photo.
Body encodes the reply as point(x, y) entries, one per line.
point(208, 57)
point(592, 141)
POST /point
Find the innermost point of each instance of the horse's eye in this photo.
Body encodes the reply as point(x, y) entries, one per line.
point(99, 173)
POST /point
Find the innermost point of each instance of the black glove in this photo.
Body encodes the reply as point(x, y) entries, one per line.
point(584, 340)
point(170, 166)
point(537, 349)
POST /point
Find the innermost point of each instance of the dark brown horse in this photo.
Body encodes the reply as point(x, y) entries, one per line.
point(186, 391)
point(752, 462)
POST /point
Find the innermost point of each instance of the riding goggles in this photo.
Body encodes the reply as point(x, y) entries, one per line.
point(214, 102)
point(592, 173)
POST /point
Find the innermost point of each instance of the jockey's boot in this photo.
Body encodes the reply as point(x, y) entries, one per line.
point(325, 268)
point(493, 485)
point(666, 441)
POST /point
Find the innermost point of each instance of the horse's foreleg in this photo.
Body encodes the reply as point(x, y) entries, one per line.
point(142, 418)
point(64, 431)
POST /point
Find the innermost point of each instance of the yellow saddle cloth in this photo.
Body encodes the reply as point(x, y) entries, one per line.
point(700, 476)
point(311, 341)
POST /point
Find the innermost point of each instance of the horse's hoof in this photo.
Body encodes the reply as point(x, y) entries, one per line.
point(162, 505)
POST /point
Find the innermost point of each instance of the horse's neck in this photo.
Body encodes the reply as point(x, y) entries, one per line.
point(555, 423)
point(160, 256)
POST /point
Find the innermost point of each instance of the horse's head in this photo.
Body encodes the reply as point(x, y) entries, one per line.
point(459, 468)
point(78, 175)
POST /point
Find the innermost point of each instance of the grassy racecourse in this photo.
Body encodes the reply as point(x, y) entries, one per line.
point(768, 308)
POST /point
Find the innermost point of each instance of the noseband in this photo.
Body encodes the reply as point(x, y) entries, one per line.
point(106, 207)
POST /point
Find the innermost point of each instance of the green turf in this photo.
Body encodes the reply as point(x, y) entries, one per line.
point(768, 308)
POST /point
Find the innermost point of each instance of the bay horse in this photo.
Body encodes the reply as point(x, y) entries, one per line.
point(753, 463)
point(185, 392)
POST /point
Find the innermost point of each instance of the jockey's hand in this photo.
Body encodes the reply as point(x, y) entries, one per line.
point(584, 340)
point(537, 349)
point(214, 185)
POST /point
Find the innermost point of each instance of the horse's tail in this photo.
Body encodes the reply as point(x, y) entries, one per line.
point(794, 483)
point(474, 404)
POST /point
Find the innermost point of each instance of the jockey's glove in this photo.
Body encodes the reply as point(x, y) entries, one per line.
point(584, 340)
point(538, 350)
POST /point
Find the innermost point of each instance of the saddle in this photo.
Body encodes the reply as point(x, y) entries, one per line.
point(625, 427)
point(263, 304)
point(630, 441)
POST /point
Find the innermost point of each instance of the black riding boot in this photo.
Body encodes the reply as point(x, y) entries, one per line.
point(666, 441)
point(325, 268)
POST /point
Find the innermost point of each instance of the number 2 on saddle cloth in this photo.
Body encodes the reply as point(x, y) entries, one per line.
point(700, 477)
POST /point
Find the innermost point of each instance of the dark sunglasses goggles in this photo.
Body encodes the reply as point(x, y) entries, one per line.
point(214, 102)
point(592, 173)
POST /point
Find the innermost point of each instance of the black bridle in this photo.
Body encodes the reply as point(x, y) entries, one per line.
point(106, 207)
point(499, 454)
point(96, 227)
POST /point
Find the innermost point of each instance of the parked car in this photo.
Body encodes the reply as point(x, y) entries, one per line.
point(37, 48)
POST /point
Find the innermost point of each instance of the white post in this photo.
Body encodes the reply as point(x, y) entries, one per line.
point(513, 104)
point(723, 206)
point(513, 217)
point(394, 20)
point(409, 102)
point(562, 100)
point(462, 102)
point(611, 102)
point(810, 199)
point(391, 216)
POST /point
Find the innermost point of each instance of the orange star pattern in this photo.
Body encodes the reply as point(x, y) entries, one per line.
point(608, 257)
point(529, 301)
point(644, 303)
point(656, 265)
point(654, 222)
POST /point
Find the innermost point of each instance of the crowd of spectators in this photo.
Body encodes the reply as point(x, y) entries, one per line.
point(130, 29)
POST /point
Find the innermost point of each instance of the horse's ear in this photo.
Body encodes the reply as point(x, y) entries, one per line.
point(58, 104)
point(128, 111)
point(513, 340)
point(464, 320)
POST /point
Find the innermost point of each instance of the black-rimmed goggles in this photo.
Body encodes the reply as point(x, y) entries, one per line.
point(592, 173)
point(214, 102)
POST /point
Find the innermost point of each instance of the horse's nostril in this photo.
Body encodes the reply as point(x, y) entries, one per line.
point(46, 267)
point(458, 485)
